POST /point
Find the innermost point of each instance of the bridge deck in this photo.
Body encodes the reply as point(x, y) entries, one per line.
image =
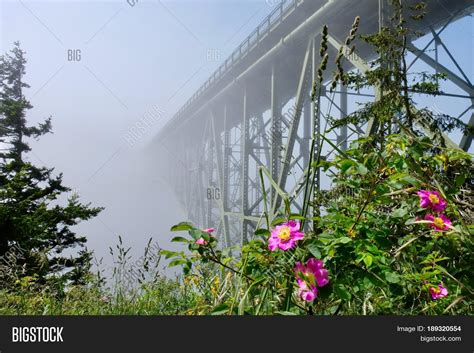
point(307, 18)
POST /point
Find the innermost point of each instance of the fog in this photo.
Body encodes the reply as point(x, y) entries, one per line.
point(112, 73)
point(99, 68)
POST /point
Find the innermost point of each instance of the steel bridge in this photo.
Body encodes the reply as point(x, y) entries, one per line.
point(255, 110)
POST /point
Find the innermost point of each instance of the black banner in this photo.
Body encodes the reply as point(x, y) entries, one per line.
point(217, 334)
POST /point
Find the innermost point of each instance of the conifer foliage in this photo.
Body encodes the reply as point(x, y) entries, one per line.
point(31, 217)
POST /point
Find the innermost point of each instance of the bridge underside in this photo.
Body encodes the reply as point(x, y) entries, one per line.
point(260, 113)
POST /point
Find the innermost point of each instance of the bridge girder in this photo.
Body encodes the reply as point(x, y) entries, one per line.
point(263, 115)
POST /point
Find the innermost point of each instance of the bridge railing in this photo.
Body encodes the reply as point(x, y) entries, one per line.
point(276, 16)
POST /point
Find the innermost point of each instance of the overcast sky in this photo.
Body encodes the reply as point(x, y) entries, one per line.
point(134, 61)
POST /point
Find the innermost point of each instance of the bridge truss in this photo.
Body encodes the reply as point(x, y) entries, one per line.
point(255, 110)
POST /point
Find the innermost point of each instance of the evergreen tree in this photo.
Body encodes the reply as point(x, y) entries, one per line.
point(28, 219)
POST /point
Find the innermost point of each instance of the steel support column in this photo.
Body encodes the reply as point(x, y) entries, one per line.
point(301, 94)
point(342, 138)
point(245, 153)
point(275, 129)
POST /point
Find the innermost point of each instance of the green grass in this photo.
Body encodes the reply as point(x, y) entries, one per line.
point(164, 297)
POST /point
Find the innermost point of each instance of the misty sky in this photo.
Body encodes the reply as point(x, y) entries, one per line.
point(134, 61)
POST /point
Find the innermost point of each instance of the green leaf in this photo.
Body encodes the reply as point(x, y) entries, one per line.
point(168, 253)
point(286, 313)
point(182, 226)
point(361, 169)
point(196, 234)
point(314, 250)
point(187, 267)
point(400, 212)
point(179, 240)
point(410, 180)
point(262, 232)
point(460, 179)
point(220, 310)
point(322, 164)
point(344, 240)
point(206, 236)
point(368, 260)
point(326, 235)
point(243, 302)
point(346, 164)
point(278, 221)
point(342, 292)
point(177, 262)
point(392, 277)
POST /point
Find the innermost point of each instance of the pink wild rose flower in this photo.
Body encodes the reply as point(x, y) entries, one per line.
point(201, 241)
point(439, 223)
point(285, 236)
point(432, 199)
point(440, 292)
point(309, 277)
